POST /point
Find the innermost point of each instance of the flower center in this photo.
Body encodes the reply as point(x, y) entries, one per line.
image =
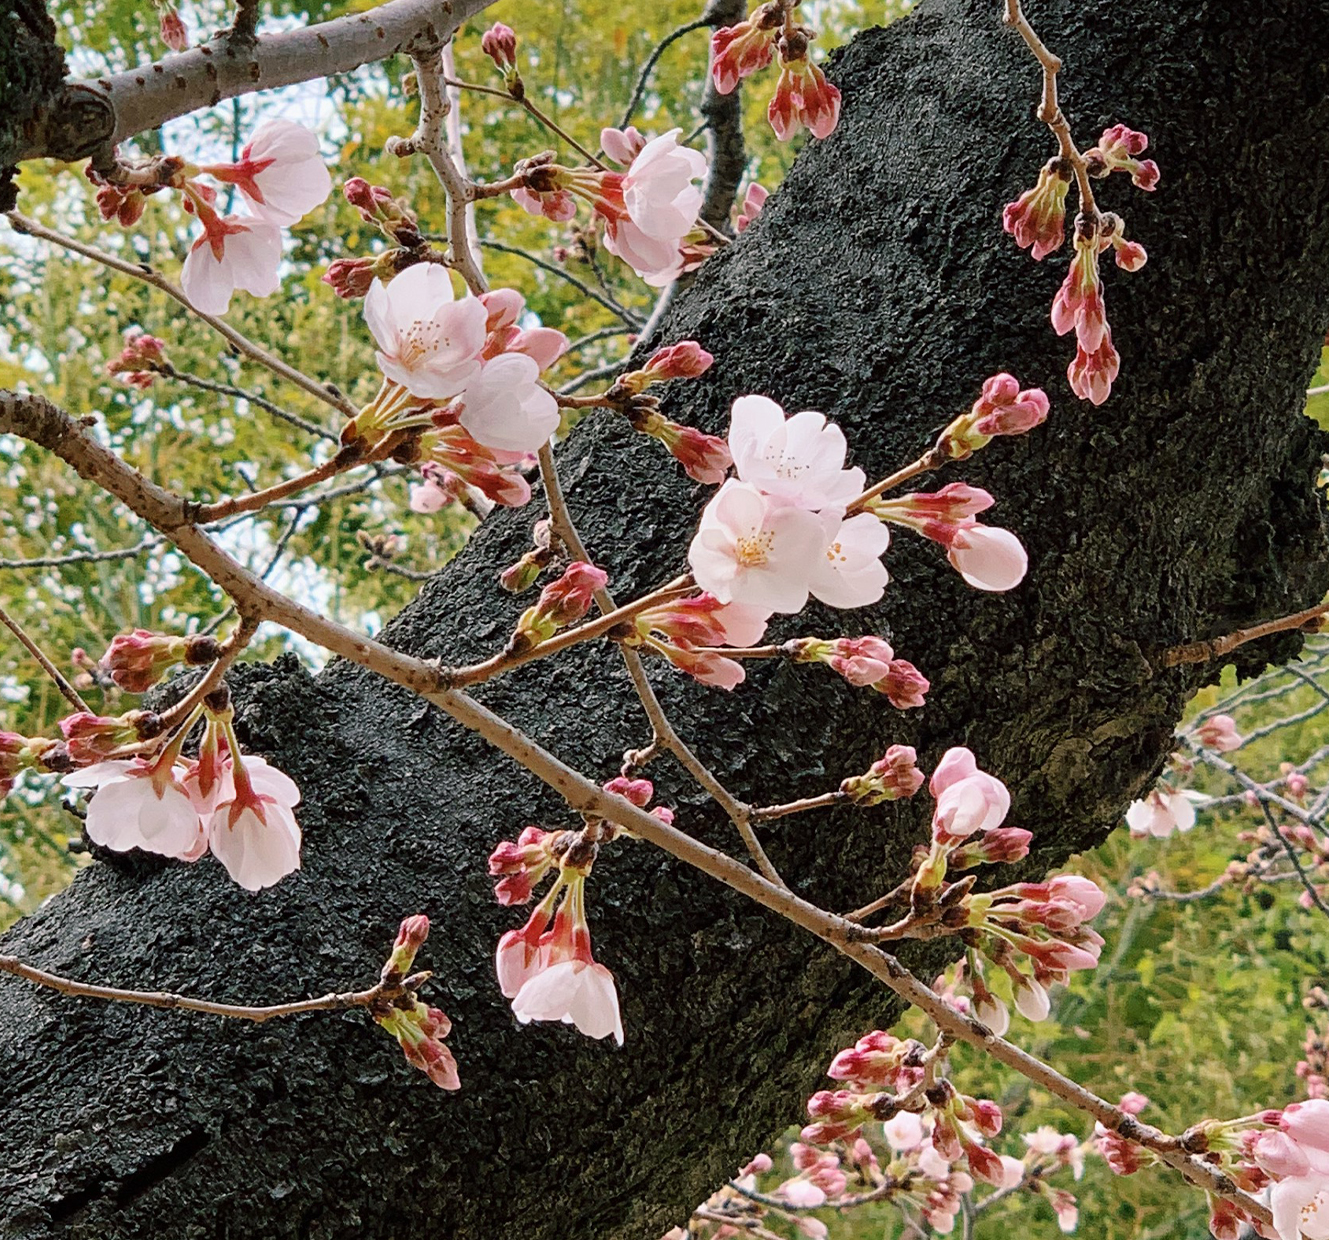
point(753, 550)
point(421, 340)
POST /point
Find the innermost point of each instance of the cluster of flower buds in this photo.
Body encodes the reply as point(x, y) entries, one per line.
point(499, 43)
point(136, 661)
point(561, 603)
point(893, 777)
point(1313, 1067)
point(418, 1028)
point(353, 277)
point(547, 968)
point(865, 661)
point(1037, 220)
point(1002, 408)
point(803, 97)
point(885, 1077)
point(649, 211)
point(141, 360)
point(29, 753)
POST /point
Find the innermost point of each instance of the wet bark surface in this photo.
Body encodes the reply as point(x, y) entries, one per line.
point(876, 286)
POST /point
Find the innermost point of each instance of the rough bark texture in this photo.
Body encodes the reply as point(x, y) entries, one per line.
point(32, 67)
point(876, 286)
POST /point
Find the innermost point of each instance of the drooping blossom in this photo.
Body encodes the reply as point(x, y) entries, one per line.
point(1092, 374)
point(1117, 151)
point(280, 172)
point(743, 49)
point(803, 97)
point(1161, 813)
point(428, 342)
point(1037, 218)
point(798, 459)
point(660, 206)
point(749, 549)
point(141, 804)
point(172, 26)
point(253, 831)
point(1078, 304)
point(234, 252)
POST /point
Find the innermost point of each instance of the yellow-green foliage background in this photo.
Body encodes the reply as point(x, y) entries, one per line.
point(1197, 1005)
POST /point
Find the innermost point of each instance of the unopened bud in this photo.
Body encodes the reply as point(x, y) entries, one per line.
point(561, 603)
point(411, 937)
point(889, 779)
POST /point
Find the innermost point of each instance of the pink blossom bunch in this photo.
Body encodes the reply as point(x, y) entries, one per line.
point(988, 558)
point(778, 532)
point(803, 97)
point(452, 459)
point(866, 662)
point(239, 808)
point(136, 661)
point(141, 360)
point(692, 631)
point(418, 1028)
point(891, 778)
point(647, 211)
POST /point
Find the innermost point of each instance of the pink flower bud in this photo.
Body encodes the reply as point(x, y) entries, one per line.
point(411, 937)
point(705, 458)
point(93, 738)
point(987, 558)
point(1092, 374)
point(1117, 151)
point(173, 31)
point(562, 602)
point(137, 660)
point(891, 778)
point(758, 1166)
point(1219, 732)
point(685, 360)
point(986, 1116)
point(753, 202)
point(638, 791)
point(997, 847)
point(984, 1164)
point(1037, 218)
point(350, 277)
point(1133, 1103)
point(741, 50)
point(499, 43)
point(803, 97)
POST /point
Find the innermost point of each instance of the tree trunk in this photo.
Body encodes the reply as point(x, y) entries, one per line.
point(878, 287)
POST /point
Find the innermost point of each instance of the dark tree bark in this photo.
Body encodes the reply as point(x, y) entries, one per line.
point(876, 286)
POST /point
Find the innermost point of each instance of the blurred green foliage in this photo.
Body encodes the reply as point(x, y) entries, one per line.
point(1197, 1005)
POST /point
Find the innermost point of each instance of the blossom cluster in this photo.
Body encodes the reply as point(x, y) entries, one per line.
point(1037, 221)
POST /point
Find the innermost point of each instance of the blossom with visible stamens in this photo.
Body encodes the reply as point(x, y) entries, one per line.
point(753, 551)
point(1037, 218)
point(428, 342)
point(890, 778)
point(234, 252)
point(1117, 151)
point(753, 202)
point(798, 458)
point(849, 573)
point(280, 172)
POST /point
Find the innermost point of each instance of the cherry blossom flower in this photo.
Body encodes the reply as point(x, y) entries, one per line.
point(428, 342)
point(798, 459)
point(280, 172)
point(803, 97)
point(253, 831)
point(235, 252)
point(1037, 218)
point(505, 408)
point(749, 550)
point(660, 206)
point(987, 558)
point(140, 804)
point(1162, 812)
point(968, 800)
point(850, 573)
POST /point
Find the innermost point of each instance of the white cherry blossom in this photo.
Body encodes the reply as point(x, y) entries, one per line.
point(799, 459)
point(850, 572)
point(577, 992)
point(236, 252)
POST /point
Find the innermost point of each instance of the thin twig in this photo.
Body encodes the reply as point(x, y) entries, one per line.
point(85, 557)
point(611, 304)
point(229, 389)
point(1216, 647)
point(649, 66)
point(67, 691)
